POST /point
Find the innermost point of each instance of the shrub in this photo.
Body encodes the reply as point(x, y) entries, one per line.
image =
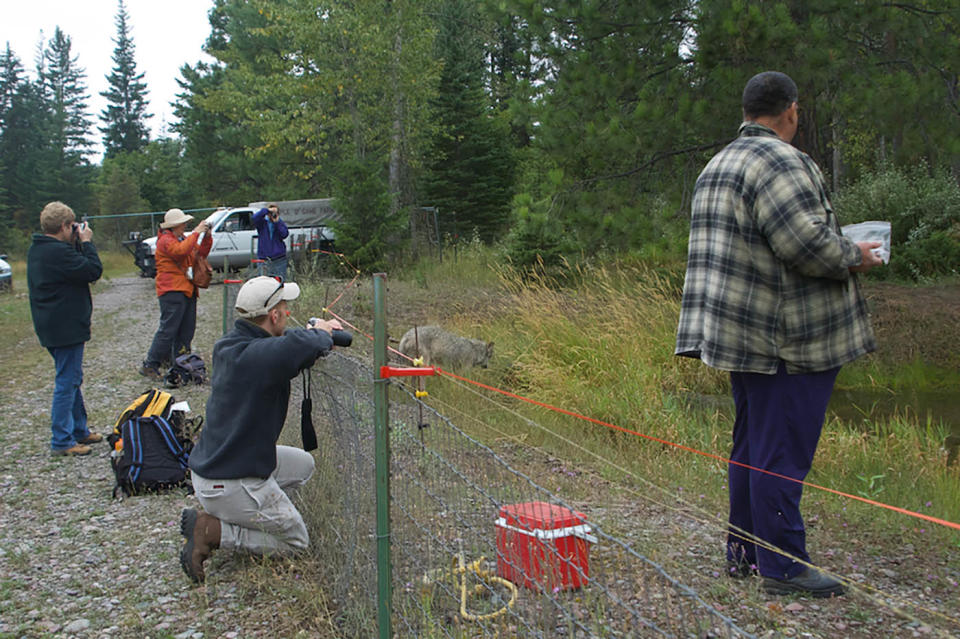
point(536, 240)
point(923, 208)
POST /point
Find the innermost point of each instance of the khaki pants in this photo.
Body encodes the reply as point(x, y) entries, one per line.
point(256, 515)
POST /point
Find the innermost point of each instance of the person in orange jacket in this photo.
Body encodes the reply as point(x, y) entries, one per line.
point(176, 291)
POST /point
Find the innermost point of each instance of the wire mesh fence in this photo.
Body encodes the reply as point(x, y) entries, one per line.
point(478, 548)
point(231, 286)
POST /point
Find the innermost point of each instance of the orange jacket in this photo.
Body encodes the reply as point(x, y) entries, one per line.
point(173, 256)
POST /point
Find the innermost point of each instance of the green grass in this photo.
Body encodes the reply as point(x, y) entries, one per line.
point(915, 375)
point(599, 342)
point(603, 348)
point(16, 319)
point(115, 264)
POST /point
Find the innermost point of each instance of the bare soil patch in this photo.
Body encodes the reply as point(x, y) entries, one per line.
point(916, 323)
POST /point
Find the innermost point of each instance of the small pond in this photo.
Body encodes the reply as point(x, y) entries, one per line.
point(855, 406)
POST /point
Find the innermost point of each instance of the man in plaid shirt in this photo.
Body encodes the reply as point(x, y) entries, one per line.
point(771, 295)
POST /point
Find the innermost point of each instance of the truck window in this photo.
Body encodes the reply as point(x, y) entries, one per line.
point(237, 222)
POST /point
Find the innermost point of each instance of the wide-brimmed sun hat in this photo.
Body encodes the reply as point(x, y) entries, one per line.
point(175, 217)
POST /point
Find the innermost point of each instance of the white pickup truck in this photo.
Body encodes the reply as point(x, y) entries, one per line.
point(235, 238)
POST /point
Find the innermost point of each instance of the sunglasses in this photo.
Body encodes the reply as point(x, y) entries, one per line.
point(279, 288)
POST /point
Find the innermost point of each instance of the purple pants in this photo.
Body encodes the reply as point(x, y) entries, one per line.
point(778, 424)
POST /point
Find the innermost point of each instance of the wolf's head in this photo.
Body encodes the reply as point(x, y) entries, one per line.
point(482, 352)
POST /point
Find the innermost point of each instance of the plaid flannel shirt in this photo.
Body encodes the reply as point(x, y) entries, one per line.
point(767, 269)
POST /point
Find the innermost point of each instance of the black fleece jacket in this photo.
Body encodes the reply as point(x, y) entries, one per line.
point(59, 276)
point(250, 390)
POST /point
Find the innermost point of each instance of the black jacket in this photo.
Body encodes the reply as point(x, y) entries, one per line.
point(250, 390)
point(59, 276)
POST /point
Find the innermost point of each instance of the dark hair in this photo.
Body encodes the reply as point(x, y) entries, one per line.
point(768, 93)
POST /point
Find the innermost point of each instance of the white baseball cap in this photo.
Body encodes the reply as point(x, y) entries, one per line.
point(260, 294)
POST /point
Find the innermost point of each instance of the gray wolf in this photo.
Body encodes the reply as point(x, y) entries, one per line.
point(445, 349)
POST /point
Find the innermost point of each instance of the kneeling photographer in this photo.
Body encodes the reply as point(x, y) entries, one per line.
point(242, 478)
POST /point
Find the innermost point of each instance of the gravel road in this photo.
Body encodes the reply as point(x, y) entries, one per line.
point(73, 561)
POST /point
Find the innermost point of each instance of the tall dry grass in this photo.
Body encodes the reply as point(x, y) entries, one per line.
point(599, 343)
point(597, 340)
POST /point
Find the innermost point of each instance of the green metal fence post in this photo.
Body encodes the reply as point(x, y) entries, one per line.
point(225, 286)
point(382, 456)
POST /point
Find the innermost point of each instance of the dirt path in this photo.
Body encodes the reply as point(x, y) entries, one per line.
point(73, 561)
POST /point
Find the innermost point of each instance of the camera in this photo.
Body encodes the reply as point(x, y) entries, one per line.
point(340, 338)
point(75, 236)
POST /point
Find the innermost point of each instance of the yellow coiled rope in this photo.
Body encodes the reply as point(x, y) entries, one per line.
point(458, 577)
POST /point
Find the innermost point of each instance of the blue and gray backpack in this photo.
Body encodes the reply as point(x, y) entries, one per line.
point(151, 445)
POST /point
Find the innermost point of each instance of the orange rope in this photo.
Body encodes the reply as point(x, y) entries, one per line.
point(341, 256)
point(904, 511)
point(367, 335)
point(343, 292)
point(440, 371)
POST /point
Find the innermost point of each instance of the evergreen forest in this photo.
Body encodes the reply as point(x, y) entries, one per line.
point(552, 129)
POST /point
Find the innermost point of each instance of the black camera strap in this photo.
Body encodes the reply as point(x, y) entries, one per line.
point(307, 432)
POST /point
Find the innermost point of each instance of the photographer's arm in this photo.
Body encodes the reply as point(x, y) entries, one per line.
point(207, 243)
point(178, 249)
point(287, 355)
point(82, 265)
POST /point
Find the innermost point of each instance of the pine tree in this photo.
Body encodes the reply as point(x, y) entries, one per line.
point(10, 82)
point(64, 166)
point(470, 173)
point(126, 114)
point(22, 125)
point(215, 147)
point(10, 78)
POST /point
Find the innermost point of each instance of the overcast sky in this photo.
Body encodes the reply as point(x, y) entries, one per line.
point(166, 35)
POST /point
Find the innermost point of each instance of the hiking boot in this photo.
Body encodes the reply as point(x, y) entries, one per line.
point(150, 371)
point(811, 582)
point(76, 449)
point(202, 533)
point(91, 438)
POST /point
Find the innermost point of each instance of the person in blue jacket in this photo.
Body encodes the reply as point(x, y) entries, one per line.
point(62, 262)
point(242, 478)
point(271, 232)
